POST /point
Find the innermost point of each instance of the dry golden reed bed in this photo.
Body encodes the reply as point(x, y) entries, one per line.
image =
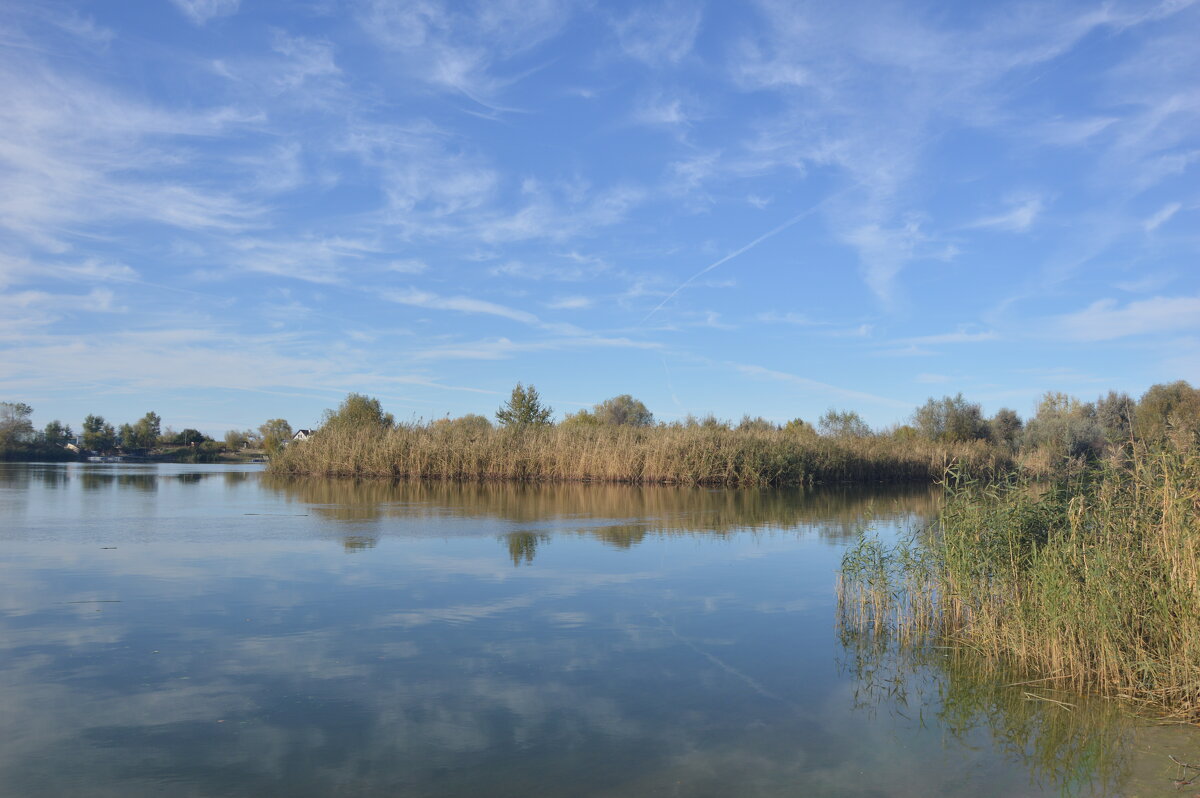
point(682, 455)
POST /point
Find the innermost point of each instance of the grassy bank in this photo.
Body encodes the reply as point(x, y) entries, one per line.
point(1093, 582)
point(683, 455)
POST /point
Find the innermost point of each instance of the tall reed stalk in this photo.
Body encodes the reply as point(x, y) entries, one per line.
point(1093, 581)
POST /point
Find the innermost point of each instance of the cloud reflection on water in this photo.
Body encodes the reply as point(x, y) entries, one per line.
point(690, 652)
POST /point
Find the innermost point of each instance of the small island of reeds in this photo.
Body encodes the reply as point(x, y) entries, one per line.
point(618, 442)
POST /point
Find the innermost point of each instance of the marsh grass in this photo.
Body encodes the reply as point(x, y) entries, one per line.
point(1092, 582)
point(680, 455)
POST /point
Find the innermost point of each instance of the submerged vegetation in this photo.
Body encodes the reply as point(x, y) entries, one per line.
point(1090, 581)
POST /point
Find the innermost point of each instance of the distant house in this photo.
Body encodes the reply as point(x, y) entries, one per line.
point(303, 434)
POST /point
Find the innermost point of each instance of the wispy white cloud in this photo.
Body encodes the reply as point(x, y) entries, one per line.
point(50, 306)
point(570, 303)
point(307, 60)
point(1144, 284)
point(1106, 320)
point(299, 69)
point(408, 266)
point(167, 359)
point(563, 268)
point(81, 27)
point(1161, 216)
point(798, 319)
point(1066, 131)
point(74, 153)
point(559, 215)
point(884, 251)
point(315, 260)
point(201, 11)
point(660, 110)
point(961, 336)
point(1019, 218)
point(661, 33)
point(460, 304)
point(868, 93)
point(504, 348)
point(815, 386)
point(434, 161)
point(858, 331)
point(462, 47)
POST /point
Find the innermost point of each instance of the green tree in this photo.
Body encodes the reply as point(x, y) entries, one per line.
point(191, 437)
point(145, 432)
point(1065, 427)
point(16, 428)
point(842, 424)
point(472, 425)
point(524, 408)
point(98, 434)
point(1004, 428)
point(358, 412)
point(951, 418)
point(708, 422)
point(239, 439)
point(623, 410)
point(1169, 410)
point(800, 427)
point(755, 424)
point(1116, 413)
point(275, 433)
point(58, 434)
point(581, 418)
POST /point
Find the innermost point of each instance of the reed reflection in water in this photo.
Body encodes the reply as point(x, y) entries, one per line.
point(618, 515)
point(1077, 746)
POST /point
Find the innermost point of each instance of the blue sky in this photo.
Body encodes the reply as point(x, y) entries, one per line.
point(229, 211)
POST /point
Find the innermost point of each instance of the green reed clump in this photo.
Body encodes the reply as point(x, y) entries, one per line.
point(686, 455)
point(1093, 581)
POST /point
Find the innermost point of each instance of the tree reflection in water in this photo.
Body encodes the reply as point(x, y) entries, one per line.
point(523, 545)
point(619, 515)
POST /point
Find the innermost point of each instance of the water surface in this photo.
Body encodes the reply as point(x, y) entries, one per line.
point(213, 631)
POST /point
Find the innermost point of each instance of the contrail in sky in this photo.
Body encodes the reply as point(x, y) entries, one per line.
point(734, 254)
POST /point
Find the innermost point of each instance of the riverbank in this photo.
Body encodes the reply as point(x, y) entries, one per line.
point(692, 455)
point(180, 454)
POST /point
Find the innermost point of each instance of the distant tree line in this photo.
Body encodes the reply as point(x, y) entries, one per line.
point(1061, 425)
point(19, 440)
point(1063, 429)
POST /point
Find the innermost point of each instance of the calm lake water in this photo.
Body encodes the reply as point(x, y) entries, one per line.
point(212, 631)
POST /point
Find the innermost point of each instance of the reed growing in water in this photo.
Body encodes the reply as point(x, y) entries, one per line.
point(676, 454)
point(1092, 582)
